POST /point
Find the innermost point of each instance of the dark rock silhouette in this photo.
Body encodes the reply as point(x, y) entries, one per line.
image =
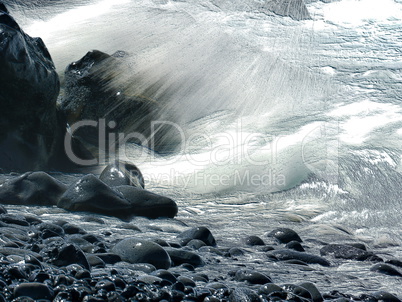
point(121, 173)
point(95, 92)
point(92, 195)
point(30, 131)
point(32, 188)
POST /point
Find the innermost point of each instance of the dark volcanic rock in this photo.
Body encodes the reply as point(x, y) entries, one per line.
point(50, 230)
point(200, 233)
point(252, 277)
point(294, 255)
point(30, 131)
point(97, 90)
point(295, 9)
point(273, 291)
point(196, 244)
point(109, 258)
point(121, 173)
point(297, 291)
point(386, 269)
point(33, 290)
point(32, 188)
point(314, 292)
point(295, 245)
point(148, 204)
point(348, 252)
point(385, 296)
point(179, 256)
point(285, 235)
point(394, 262)
point(6, 251)
point(14, 219)
point(140, 251)
point(71, 254)
point(92, 195)
point(253, 240)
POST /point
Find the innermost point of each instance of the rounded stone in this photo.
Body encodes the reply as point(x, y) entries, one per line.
point(299, 291)
point(148, 204)
point(165, 275)
point(295, 245)
point(252, 277)
point(195, 244)
point(295, 255)
point(135, 250)
point(348, 252)
point(34, 290)
point(385, 296)
point(285, 235)
point(386, 269)
point(253, 241)
point(200, 233)
point(179, 256)
point(71, 254)
point(313, 290)
point(32, 188)
point(120, 173)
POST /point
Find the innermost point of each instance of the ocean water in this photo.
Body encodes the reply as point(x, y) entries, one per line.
point(280, 122)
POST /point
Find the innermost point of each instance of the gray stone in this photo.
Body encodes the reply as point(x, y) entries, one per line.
point(200, 233)
point(179, 256)
point(252, 277)
point(294, 255)
point(32, 188)
point(93, 91)
point(348, 252)
point(92, 195)
point(285, 235)
point(386, 269)
point(121, 173)
point(135, 250)
point(148, 204)
point(34, 290)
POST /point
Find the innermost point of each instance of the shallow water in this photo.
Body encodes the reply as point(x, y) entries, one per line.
point(284, 123)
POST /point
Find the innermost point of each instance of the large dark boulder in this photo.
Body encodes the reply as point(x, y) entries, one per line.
point(92, 195)
point(121, 173)
point(32, 188)
point(30, 130)
point(148, 204)
point(98, 89)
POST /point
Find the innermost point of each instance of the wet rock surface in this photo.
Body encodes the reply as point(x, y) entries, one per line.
point(32, 188)
point(56, 260)
point(120, 173)
point(30, 131)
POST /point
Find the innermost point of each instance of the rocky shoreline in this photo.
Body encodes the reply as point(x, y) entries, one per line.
point(44, 257)
point(55, 260)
